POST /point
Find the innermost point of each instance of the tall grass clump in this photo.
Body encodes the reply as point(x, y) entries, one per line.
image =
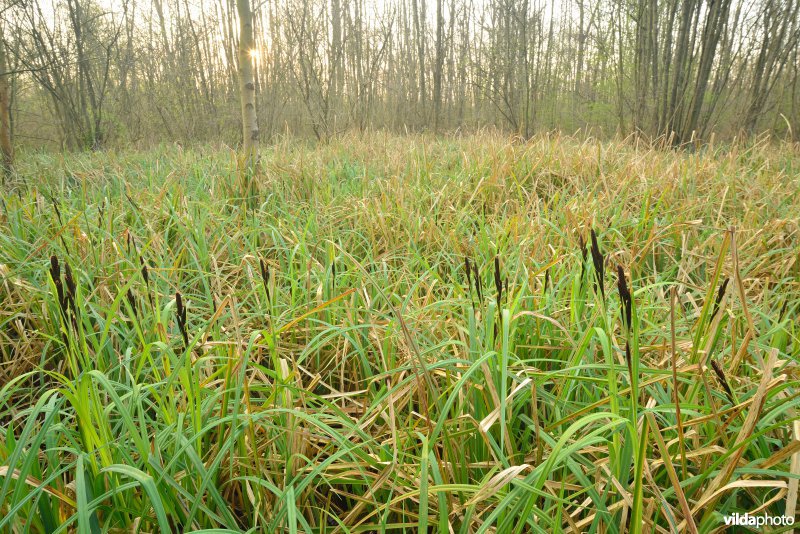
point(395, 334)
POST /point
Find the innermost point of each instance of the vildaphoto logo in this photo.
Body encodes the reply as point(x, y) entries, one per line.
point(747, 520)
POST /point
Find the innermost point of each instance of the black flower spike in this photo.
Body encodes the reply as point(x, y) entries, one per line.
point(478, 281)
point(145, 276)
point(55, 268)
point(468, 270)
point(723, 380)
point(181, 315)
point(720, 294)
point(69, 297)
point(546, 280)
point(265, 277)
point(131, 243)
point(624, 297)
point(55, 274)
point(70, 281)
point(599, 265)
point(132, 300)
point(333, 273)
point(498, 281)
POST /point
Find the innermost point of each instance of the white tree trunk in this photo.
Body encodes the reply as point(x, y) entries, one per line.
point(247, 87)
point(6, 148)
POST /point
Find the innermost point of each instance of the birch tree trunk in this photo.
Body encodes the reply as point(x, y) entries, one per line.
point(437, 73)
point(419, 32)
point(6, 147)
point(247, 87)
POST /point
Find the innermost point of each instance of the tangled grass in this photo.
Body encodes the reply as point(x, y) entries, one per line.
point(401, 334)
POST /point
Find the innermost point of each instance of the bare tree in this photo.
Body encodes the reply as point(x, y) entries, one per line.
point(94, 72)
point(6, 146)
point(247, 87)
point(780, 37)
point(437, 72)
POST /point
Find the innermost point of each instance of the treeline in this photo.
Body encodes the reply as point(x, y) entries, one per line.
point(96, 73)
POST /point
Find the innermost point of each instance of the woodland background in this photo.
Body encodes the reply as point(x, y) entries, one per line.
point(80, 74)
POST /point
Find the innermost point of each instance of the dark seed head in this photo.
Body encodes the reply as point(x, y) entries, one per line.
point(69, 280)
point(498, 280)
point(478, 281)
point(131, 243)
point(720, 294)
point(55, 274)
point(55, 268)
point(131, 300)
point(145, 276)
point(624, 297)
point(582, 245)
point(181, 316)
point(722, 380)
point(265, 276)
point(599, 264)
